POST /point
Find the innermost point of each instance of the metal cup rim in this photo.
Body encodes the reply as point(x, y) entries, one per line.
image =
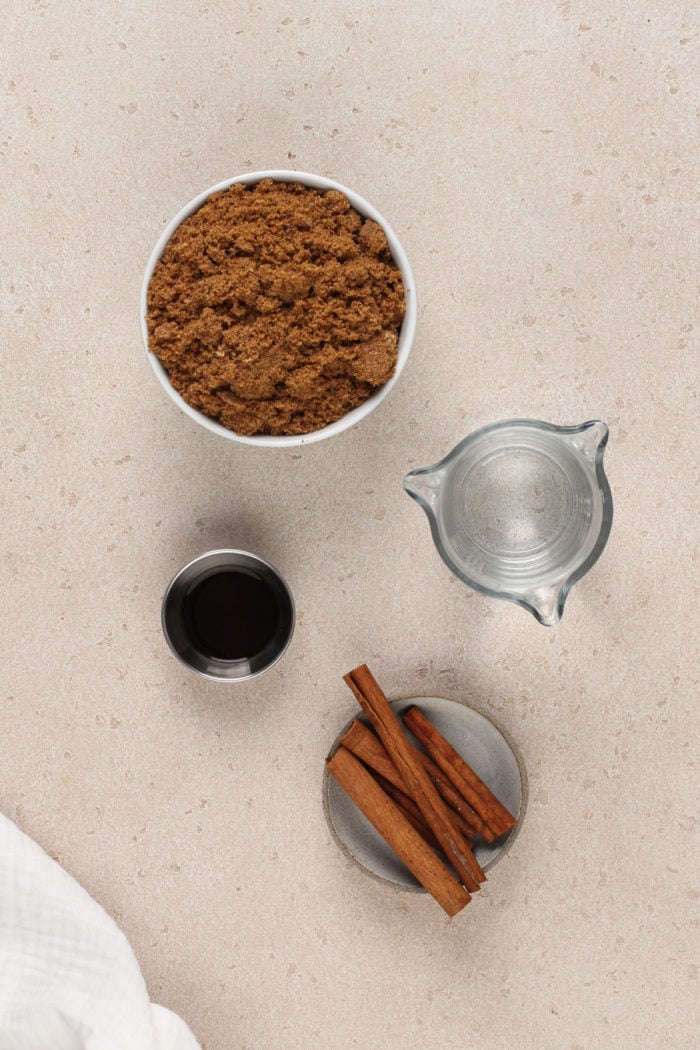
point(226, 552)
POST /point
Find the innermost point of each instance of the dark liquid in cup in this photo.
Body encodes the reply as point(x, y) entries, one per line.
point(231, 615)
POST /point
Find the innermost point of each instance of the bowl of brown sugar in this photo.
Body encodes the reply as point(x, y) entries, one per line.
point(278, 308)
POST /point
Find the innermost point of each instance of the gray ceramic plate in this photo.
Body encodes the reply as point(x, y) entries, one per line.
point(487, 750)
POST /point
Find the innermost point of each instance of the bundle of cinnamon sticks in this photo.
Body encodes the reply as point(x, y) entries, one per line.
point(428, 805)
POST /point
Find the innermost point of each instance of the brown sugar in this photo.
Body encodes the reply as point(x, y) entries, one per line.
point(275, 308)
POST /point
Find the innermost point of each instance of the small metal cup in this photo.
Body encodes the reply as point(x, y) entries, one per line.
point(175, 625)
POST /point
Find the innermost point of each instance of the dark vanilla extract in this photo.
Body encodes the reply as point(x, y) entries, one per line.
point(231, 615)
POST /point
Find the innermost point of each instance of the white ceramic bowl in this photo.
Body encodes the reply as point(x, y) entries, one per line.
point(408, 325)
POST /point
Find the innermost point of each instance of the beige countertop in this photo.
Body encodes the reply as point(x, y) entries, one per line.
point(537, 162)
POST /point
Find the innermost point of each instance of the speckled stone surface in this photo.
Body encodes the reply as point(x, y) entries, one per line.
point(538, 162)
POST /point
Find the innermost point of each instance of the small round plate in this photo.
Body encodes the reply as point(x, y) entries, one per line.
point(487, 750)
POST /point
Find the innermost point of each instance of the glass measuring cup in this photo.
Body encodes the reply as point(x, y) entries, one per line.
point(520, 510)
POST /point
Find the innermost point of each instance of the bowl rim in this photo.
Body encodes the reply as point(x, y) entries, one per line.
point(406, 332)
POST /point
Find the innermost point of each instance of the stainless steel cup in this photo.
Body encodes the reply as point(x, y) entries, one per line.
point(179, 636)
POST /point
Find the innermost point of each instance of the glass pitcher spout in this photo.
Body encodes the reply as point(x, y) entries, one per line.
point(546, 603)
point(590, 438)
point(424, 485)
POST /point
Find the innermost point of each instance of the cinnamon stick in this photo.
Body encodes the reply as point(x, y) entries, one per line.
point(412, 813)
point(463, 777)
point(401, 836)
point(409, 809)
point(420, 787)
point(367, 746)
point(462, 810)
point(363, 743)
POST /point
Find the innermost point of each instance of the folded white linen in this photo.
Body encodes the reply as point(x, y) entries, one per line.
point(68, 978)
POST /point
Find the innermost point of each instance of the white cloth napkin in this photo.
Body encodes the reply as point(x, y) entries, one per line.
point(68, 978)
